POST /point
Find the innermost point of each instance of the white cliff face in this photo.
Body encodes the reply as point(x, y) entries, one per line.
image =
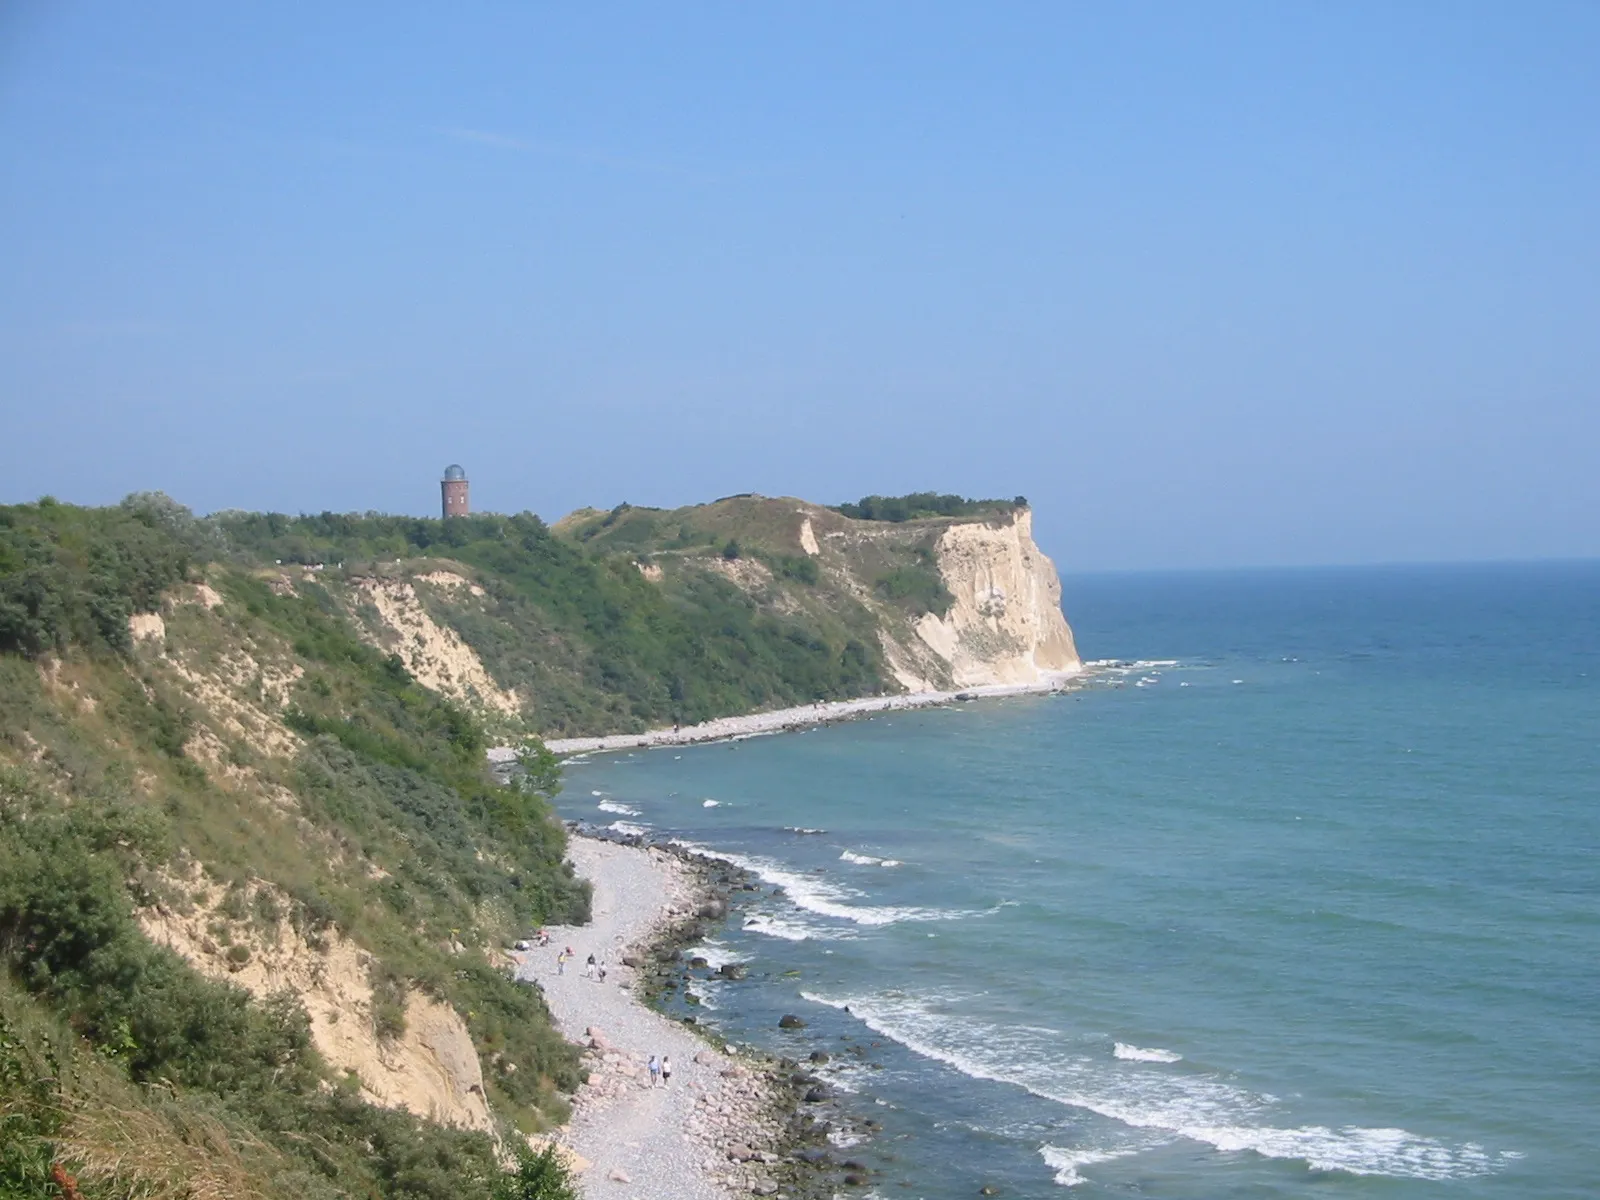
point(1006, 625)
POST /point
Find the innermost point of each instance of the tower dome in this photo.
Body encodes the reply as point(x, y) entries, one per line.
point(454, 472)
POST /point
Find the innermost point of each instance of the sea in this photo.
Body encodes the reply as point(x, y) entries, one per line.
point(1296, 895)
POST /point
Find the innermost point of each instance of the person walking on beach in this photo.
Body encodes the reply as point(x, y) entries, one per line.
point(561, 963)
point(655, 1071)
point(588, 968)
point(666, 1070)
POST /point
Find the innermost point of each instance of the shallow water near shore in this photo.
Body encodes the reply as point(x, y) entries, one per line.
point(1301, 899)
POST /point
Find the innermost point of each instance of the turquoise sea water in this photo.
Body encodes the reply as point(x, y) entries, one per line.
point(1303, 900)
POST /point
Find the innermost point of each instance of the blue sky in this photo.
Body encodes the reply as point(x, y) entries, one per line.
point(1212, 284)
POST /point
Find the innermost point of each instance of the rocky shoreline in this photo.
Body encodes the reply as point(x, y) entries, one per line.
point(795, 1108)
point(735, 1121)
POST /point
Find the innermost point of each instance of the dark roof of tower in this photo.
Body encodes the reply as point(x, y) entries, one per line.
point(455, 471)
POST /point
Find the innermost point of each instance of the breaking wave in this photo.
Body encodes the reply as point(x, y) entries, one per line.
point(1067, 1162)
point(1139, 1054)
point(1204, 1108)
point(868, 860)
point(823, 897)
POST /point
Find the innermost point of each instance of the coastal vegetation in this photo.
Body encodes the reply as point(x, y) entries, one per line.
point(185, 742)
point(248, 832)
point(579, 631)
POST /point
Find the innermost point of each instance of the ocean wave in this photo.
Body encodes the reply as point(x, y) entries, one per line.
point(1067, 1162)
point(715, 953)
point(790, 928)
point(710, 803)
point(868, 860)
point(629, 829)
point(823, 897)
point(1139, 1054)
point(616, 806)
point(1203, 1108)
point(1127, 666)
point(802, 829)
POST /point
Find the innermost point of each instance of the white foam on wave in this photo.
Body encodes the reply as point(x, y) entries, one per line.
point(824, 897)
point(1066, 1162)
point(1203, 1108)
point(868, 860)
point(715, 953)
point(1128, 666)
point(597, 792)
point(629, 829)
point(790, 928)
point(616, 806)
point(710, 803)
point(802, 829)
point(1139, 1054)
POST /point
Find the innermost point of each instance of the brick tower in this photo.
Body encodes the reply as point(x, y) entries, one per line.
point(453, 491)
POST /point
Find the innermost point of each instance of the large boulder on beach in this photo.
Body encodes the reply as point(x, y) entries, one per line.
point(817, 1093)
point(733, 970)
point(790, 1021)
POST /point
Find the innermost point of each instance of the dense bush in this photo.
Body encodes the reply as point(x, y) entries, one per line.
point(925, 504)
point(73, 576)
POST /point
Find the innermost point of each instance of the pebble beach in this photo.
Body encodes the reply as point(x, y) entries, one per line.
point(716, 1128)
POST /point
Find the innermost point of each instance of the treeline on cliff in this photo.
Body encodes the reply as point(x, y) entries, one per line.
point(917, 505)
point(131, 784)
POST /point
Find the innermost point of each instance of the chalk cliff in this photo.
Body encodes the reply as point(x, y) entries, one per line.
point(1004, 624)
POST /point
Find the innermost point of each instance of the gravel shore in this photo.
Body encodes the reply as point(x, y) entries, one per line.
point(715, 1130)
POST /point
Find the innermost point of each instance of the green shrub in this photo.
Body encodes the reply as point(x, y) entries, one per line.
point(542, 1176)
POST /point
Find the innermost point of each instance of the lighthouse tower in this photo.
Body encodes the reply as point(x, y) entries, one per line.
point(453, 491)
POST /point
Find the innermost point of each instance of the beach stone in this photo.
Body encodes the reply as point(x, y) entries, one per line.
point(618, 1175)
point(817, 1094)
point(734, 970)
point(764, 1187)
point(790, 1021)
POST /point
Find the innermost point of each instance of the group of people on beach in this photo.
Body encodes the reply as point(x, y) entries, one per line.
point(593, 969)
point(660, 1071)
